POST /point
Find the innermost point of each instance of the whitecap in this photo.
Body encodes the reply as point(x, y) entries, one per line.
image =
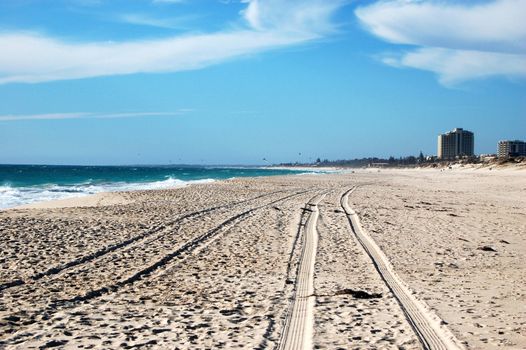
point(15, 196)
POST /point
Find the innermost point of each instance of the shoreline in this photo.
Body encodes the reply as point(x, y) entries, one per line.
point(488, 167)
point(35, 184)
point(91, 200)
point(88, 200)
point(116, 197)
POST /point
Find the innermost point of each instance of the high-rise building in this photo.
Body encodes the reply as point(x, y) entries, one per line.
point(508, 149)
point(456, 143)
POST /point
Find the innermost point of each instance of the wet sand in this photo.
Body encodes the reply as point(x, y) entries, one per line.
point(220, 265)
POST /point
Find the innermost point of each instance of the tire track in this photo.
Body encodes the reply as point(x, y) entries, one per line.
point(124, 244)
point(299, 323)
point(269, 331)
point(427, 326)
point(53, 306)
point(186, 248)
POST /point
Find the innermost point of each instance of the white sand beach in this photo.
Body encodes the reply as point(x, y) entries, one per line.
point(374, 259)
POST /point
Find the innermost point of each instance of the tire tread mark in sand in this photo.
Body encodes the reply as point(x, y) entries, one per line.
point(295, 243)
point(185, 248)
point(272, 322)
point(299, 323)
point(106, 250)
point(425, 323)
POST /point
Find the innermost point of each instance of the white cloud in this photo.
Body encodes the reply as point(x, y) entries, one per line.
point(31, 58)
point(457, 41)
point(144, 20)
point(454, 66)
point(87, 115)
point(291, 15)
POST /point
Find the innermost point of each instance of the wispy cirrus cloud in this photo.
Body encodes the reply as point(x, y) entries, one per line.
point(269, 24)
point(454, 66)
point(150, 21)
point(90, 115)
point(458, 42)
point(292, 15)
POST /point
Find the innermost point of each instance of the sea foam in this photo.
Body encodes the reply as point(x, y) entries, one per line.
point(16, 196)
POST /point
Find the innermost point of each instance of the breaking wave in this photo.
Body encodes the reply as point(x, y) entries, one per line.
point(14, 196)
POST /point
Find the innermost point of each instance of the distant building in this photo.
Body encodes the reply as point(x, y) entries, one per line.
point(378, 165)
point(456, 143)
point(508, 149)
point(487, 157)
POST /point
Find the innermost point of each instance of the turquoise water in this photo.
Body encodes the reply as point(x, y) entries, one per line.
point(23, 184)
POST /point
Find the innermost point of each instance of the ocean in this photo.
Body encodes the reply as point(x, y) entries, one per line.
point(24, 184)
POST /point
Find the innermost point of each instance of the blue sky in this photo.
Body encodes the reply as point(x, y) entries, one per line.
point(233, 82)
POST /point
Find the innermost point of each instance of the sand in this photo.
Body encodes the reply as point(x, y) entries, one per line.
point(99, 199)
point(248, 263)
